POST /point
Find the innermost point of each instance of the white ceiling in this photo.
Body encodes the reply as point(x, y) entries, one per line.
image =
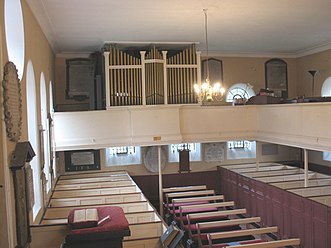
point(288, 27)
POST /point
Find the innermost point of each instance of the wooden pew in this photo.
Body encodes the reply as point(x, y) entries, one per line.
point(301, 184)
point(312, 191)
point(92, 200)
point(219, 236)
point(185, 194)
point(62, 212)
point(184, 210)
point(94, 174)
point(170, 196)
point(326, 199)
point(192, 219)
point(142, 226)
point(98, 185)
point(274, 179)
point(94, 192)
point(93, 180)
point(273, 173)
point(184, 188)
point(244, 166)
point(264, 168)
point(132, 217)
point(204, 228)
point(177, 202)
point(268, 244)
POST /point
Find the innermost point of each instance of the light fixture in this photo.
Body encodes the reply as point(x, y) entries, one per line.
point(205, 91)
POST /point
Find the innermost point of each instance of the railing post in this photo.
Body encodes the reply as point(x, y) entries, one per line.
point(305, 154)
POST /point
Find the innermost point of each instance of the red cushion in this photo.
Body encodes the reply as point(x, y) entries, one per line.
point(117, 226)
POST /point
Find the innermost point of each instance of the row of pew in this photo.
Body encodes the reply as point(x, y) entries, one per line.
point(278, 194)
point(94, 190)
point(209, 221)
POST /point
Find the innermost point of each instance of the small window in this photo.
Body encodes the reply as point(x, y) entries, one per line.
point(215, 70)
point(194, 148)
point(327, 156)
point(123, 155)
point(241, 149)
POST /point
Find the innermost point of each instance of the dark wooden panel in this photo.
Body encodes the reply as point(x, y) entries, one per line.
point(319, 225)
point(277, 218)
point(296, 219)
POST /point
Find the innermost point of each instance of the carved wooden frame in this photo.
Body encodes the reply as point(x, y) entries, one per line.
point(12, 102)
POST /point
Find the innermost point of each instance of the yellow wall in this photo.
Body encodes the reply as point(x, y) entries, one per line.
point(38, 50)
point(251, 70)
point(320, 61)
point(235, 70)
point(61, 83)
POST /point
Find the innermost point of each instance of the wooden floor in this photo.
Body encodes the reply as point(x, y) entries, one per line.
point(99, 189)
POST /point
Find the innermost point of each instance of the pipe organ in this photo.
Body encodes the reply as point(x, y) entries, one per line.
point(151, 77)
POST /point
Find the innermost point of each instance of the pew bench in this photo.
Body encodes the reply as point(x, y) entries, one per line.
point(94, 192)
point(217, 240)
point(62, 212)
point(192, 219)
point(178, 202)
point(92, 200)
point(183, 211)
point(93, 180)
point(258, 244)
point(168, 206)
point(98, 185)
point(183, 189)
point(204, 228)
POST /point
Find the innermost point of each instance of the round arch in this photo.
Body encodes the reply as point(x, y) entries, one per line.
point(326, 87)
point(14, 30)
point(33, 135)
point(239, 91)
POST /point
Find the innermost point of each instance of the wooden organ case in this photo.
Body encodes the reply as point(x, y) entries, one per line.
point(151, 75)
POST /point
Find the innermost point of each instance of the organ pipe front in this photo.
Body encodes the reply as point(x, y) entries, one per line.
point(151, 77)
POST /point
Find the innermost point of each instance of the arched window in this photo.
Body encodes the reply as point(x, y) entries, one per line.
point(239, 91)
point(14, 28)
point(276, 77)
point(33, 136)
point(326, 87)
point(215, 70)
point(44, 127)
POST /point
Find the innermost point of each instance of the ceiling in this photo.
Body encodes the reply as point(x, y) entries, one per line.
point(285, 27)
